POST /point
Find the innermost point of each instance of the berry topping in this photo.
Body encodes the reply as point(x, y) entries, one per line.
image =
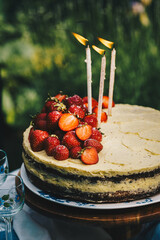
point(96, 134)
point(61, 152)
point(77, 110)
point(68, 122)
point(71, 126)
point(94, 101)
point(77, 100)
point(54, 104)
point(50, 143)
point(83, 132)
point(39, 121)
point(40, 116)
point(93, 143)
point(91, 120)
point(50, 106)
point(52, 120)
point(70, 140)
point(75, 152)
point(85, 107)
point(37, 138)
point(89, 156)
point(104, 116)
point(42, 125)
point(105, 102)
point(60, 97)
point(59, 133)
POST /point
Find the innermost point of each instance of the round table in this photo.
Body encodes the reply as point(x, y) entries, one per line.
point(119, 223)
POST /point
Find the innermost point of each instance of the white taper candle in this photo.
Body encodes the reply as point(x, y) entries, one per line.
point(111, 81)
point(101, 88)
point(89, 78)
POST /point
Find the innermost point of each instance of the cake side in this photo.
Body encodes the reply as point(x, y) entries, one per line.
point(128, 166)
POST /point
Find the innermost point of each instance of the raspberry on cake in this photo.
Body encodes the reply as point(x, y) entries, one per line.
point(123, 164)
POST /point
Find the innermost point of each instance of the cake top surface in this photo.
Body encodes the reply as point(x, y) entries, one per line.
point(131, 144)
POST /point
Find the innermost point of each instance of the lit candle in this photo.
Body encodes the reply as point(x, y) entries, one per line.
point(101, 84)
point(109, 45)
point(111, 81)
point(101, 88)
point(89, 78)
point(84, 41)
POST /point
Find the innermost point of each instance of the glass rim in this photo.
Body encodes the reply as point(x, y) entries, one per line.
point(5, 155)
point(16, 186)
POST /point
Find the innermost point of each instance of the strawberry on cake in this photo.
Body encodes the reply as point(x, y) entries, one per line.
point(67, 155)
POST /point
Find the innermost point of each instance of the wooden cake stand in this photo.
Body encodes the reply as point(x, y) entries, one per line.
point(119, 223)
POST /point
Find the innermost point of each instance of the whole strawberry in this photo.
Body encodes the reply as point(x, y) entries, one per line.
point(50, 143)
point(105, 102)
point(60, 97)
point(85, 107)
point(93, 143)
point(96, 134)
point(77, 110)
point(60, 152)
point(50, 105)
point(94, 101)
point(39, 121)
point(40, 116)
point(91, 120)
point(75, 152)
point(52, 120)
point(59, 133)
point(37, 138)
point(77, 100)
point(54, 104)
point(70, 140)
point(104, 116)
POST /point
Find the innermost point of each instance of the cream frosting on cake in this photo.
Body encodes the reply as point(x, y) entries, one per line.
point(128, 167)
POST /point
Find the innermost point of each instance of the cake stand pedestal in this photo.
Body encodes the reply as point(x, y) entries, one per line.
point(119, 223)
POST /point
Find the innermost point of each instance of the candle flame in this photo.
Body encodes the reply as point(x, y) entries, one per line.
point(81, 39)
point(99, 50)
point(107, 43)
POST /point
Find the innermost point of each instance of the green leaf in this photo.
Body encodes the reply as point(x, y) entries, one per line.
point(6, 204)
point(5, 197)
point(6, 169)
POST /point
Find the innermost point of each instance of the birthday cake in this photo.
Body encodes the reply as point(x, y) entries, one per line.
point(81, 164)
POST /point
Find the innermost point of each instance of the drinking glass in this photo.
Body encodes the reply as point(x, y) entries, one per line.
point(11, 200)
point(3, 166)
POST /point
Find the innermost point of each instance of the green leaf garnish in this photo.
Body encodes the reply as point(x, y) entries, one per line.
point(6, 204)
point(5, 197)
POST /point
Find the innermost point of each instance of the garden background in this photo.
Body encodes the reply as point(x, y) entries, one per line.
point(39, 55)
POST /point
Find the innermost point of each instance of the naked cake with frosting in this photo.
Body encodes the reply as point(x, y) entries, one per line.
point(123, 164)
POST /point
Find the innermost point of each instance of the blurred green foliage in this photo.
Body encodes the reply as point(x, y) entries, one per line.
point(39, 55)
